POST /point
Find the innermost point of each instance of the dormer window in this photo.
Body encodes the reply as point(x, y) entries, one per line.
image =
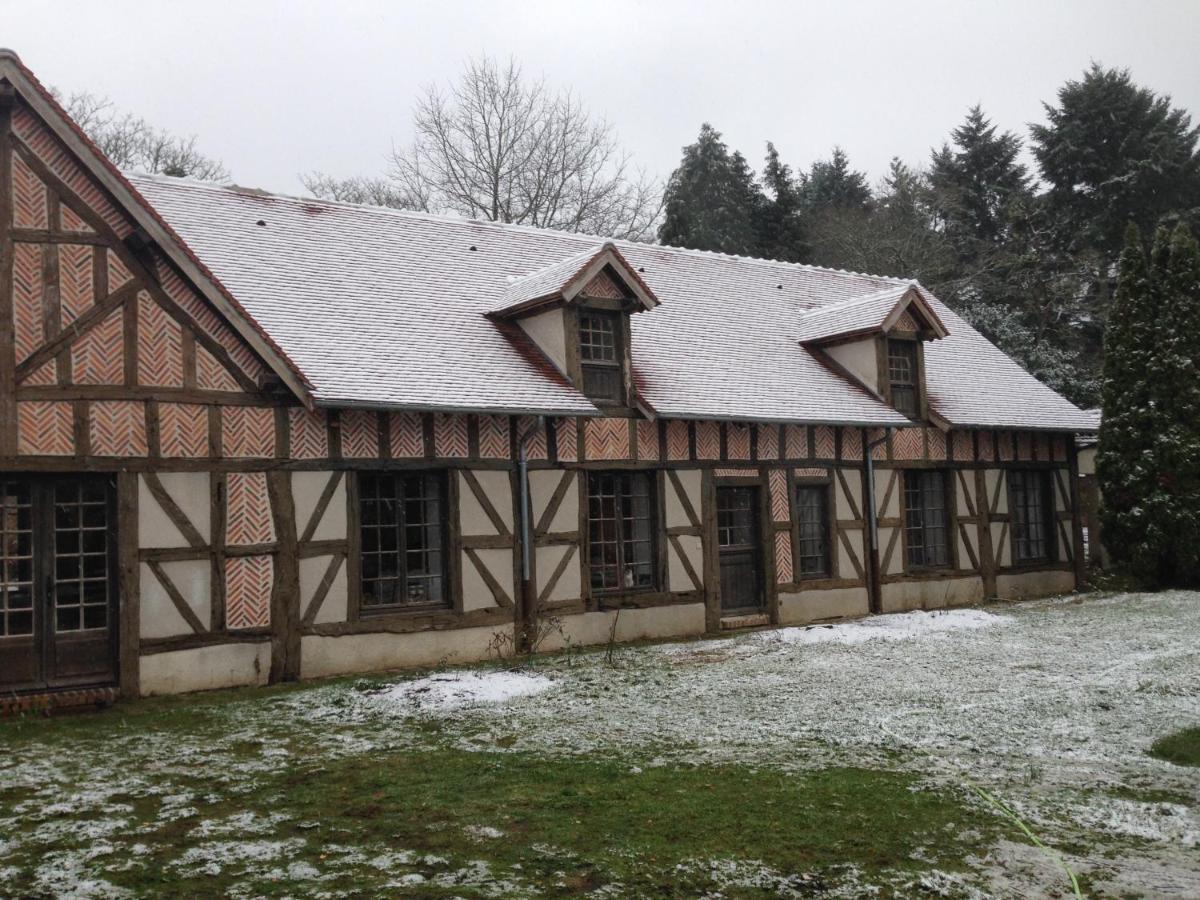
point(600, 356)
point(904, 376)
point(577, 311)
point(878, 340)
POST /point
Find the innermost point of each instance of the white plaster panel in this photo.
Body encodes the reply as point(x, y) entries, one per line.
point(548, 331)
point(854, 482)
point(991, 478)
point(896, 564)
point(159, 617)
point(845, 566)
point(307, 488)
point(205, 668)
point(345, 654)
point(570, 583)
point(858, 358)
point(476, 593)
point(689, 479)
point(312, 571)
point(677, 576)
point(190, 491)
point(542, 485)
point(497, 488)
point(1002, 548)
point(883, 477)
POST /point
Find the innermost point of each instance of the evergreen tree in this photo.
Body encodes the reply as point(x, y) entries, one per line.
point(780, 212)
point(1114, 152)
point(978, 186)
point(1137, 508)
point(832, 184)
point(1176, 384)
point(712, 201)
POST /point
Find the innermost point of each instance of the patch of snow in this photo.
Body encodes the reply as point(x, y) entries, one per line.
point(484, 831)
point(449, 691)
point(892, 627)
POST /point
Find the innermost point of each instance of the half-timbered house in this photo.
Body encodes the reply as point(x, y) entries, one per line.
point(248, 438)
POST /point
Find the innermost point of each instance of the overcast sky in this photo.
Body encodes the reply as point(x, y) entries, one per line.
point(277, 88)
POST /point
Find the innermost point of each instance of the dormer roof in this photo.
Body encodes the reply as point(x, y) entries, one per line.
point(568, 278)
point(878, 312)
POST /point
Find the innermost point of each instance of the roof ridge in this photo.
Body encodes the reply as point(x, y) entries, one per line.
point(514, 226)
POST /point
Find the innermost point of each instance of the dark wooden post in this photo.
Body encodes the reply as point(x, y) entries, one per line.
point(987, 553)
point(285, 595)
point(8, 389)
point(128, 585)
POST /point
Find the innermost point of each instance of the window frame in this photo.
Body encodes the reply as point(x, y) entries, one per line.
point(448, 601)
point(949, 524)
point(913, 346)
point(653, 519)
point(615, 314)
point(828, 528)
point(1043, 483)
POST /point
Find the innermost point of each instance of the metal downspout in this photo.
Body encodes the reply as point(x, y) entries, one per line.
point(528, 601)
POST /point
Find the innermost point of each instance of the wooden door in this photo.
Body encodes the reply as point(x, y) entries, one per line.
point(739, 550)
point(58, 597)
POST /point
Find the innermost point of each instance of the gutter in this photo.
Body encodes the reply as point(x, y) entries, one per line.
point(528, 605)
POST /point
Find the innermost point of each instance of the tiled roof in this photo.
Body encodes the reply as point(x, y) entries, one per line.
point(387, 308)
point(861, 315)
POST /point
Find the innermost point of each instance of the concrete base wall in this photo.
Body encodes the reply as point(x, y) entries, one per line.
point(205, 668)
point(900, 596)
point(352, 653)
point(1034, 584)
point(812, 606)
point(633, 624)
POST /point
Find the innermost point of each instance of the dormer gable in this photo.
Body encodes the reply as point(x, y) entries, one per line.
point(577, 313)
point(877, 340)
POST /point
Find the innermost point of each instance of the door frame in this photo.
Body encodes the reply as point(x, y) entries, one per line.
point(44, 640)
point(756, 478)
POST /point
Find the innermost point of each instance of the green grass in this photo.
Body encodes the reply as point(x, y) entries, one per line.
point(569, 825)
point(1181, 748)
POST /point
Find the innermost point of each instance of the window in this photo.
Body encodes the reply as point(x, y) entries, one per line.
point(1029, 503)
point(403, 540)
point(16, 559)
point(80, 556)
point(620, 531)
point(902, 377)
point(925, 518)
point(812, 511)
point(600, 357)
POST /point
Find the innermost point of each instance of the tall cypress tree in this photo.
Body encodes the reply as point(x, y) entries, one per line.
point(1177, 386)
point(1149, 456)
point(1125, 464)
point(711, 200)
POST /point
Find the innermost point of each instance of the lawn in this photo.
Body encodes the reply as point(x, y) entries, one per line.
point(866, 757)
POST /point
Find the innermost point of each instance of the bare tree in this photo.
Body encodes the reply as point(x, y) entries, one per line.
point(498, 147)
point(358, 189)
point(133, 143)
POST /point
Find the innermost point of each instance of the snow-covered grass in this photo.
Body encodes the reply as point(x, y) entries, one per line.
point(582, 776)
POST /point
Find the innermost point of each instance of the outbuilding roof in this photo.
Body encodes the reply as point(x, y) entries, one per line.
point(380, 307)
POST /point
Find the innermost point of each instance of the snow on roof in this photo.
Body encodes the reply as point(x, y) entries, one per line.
point(387, 308)
point(865, 314)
